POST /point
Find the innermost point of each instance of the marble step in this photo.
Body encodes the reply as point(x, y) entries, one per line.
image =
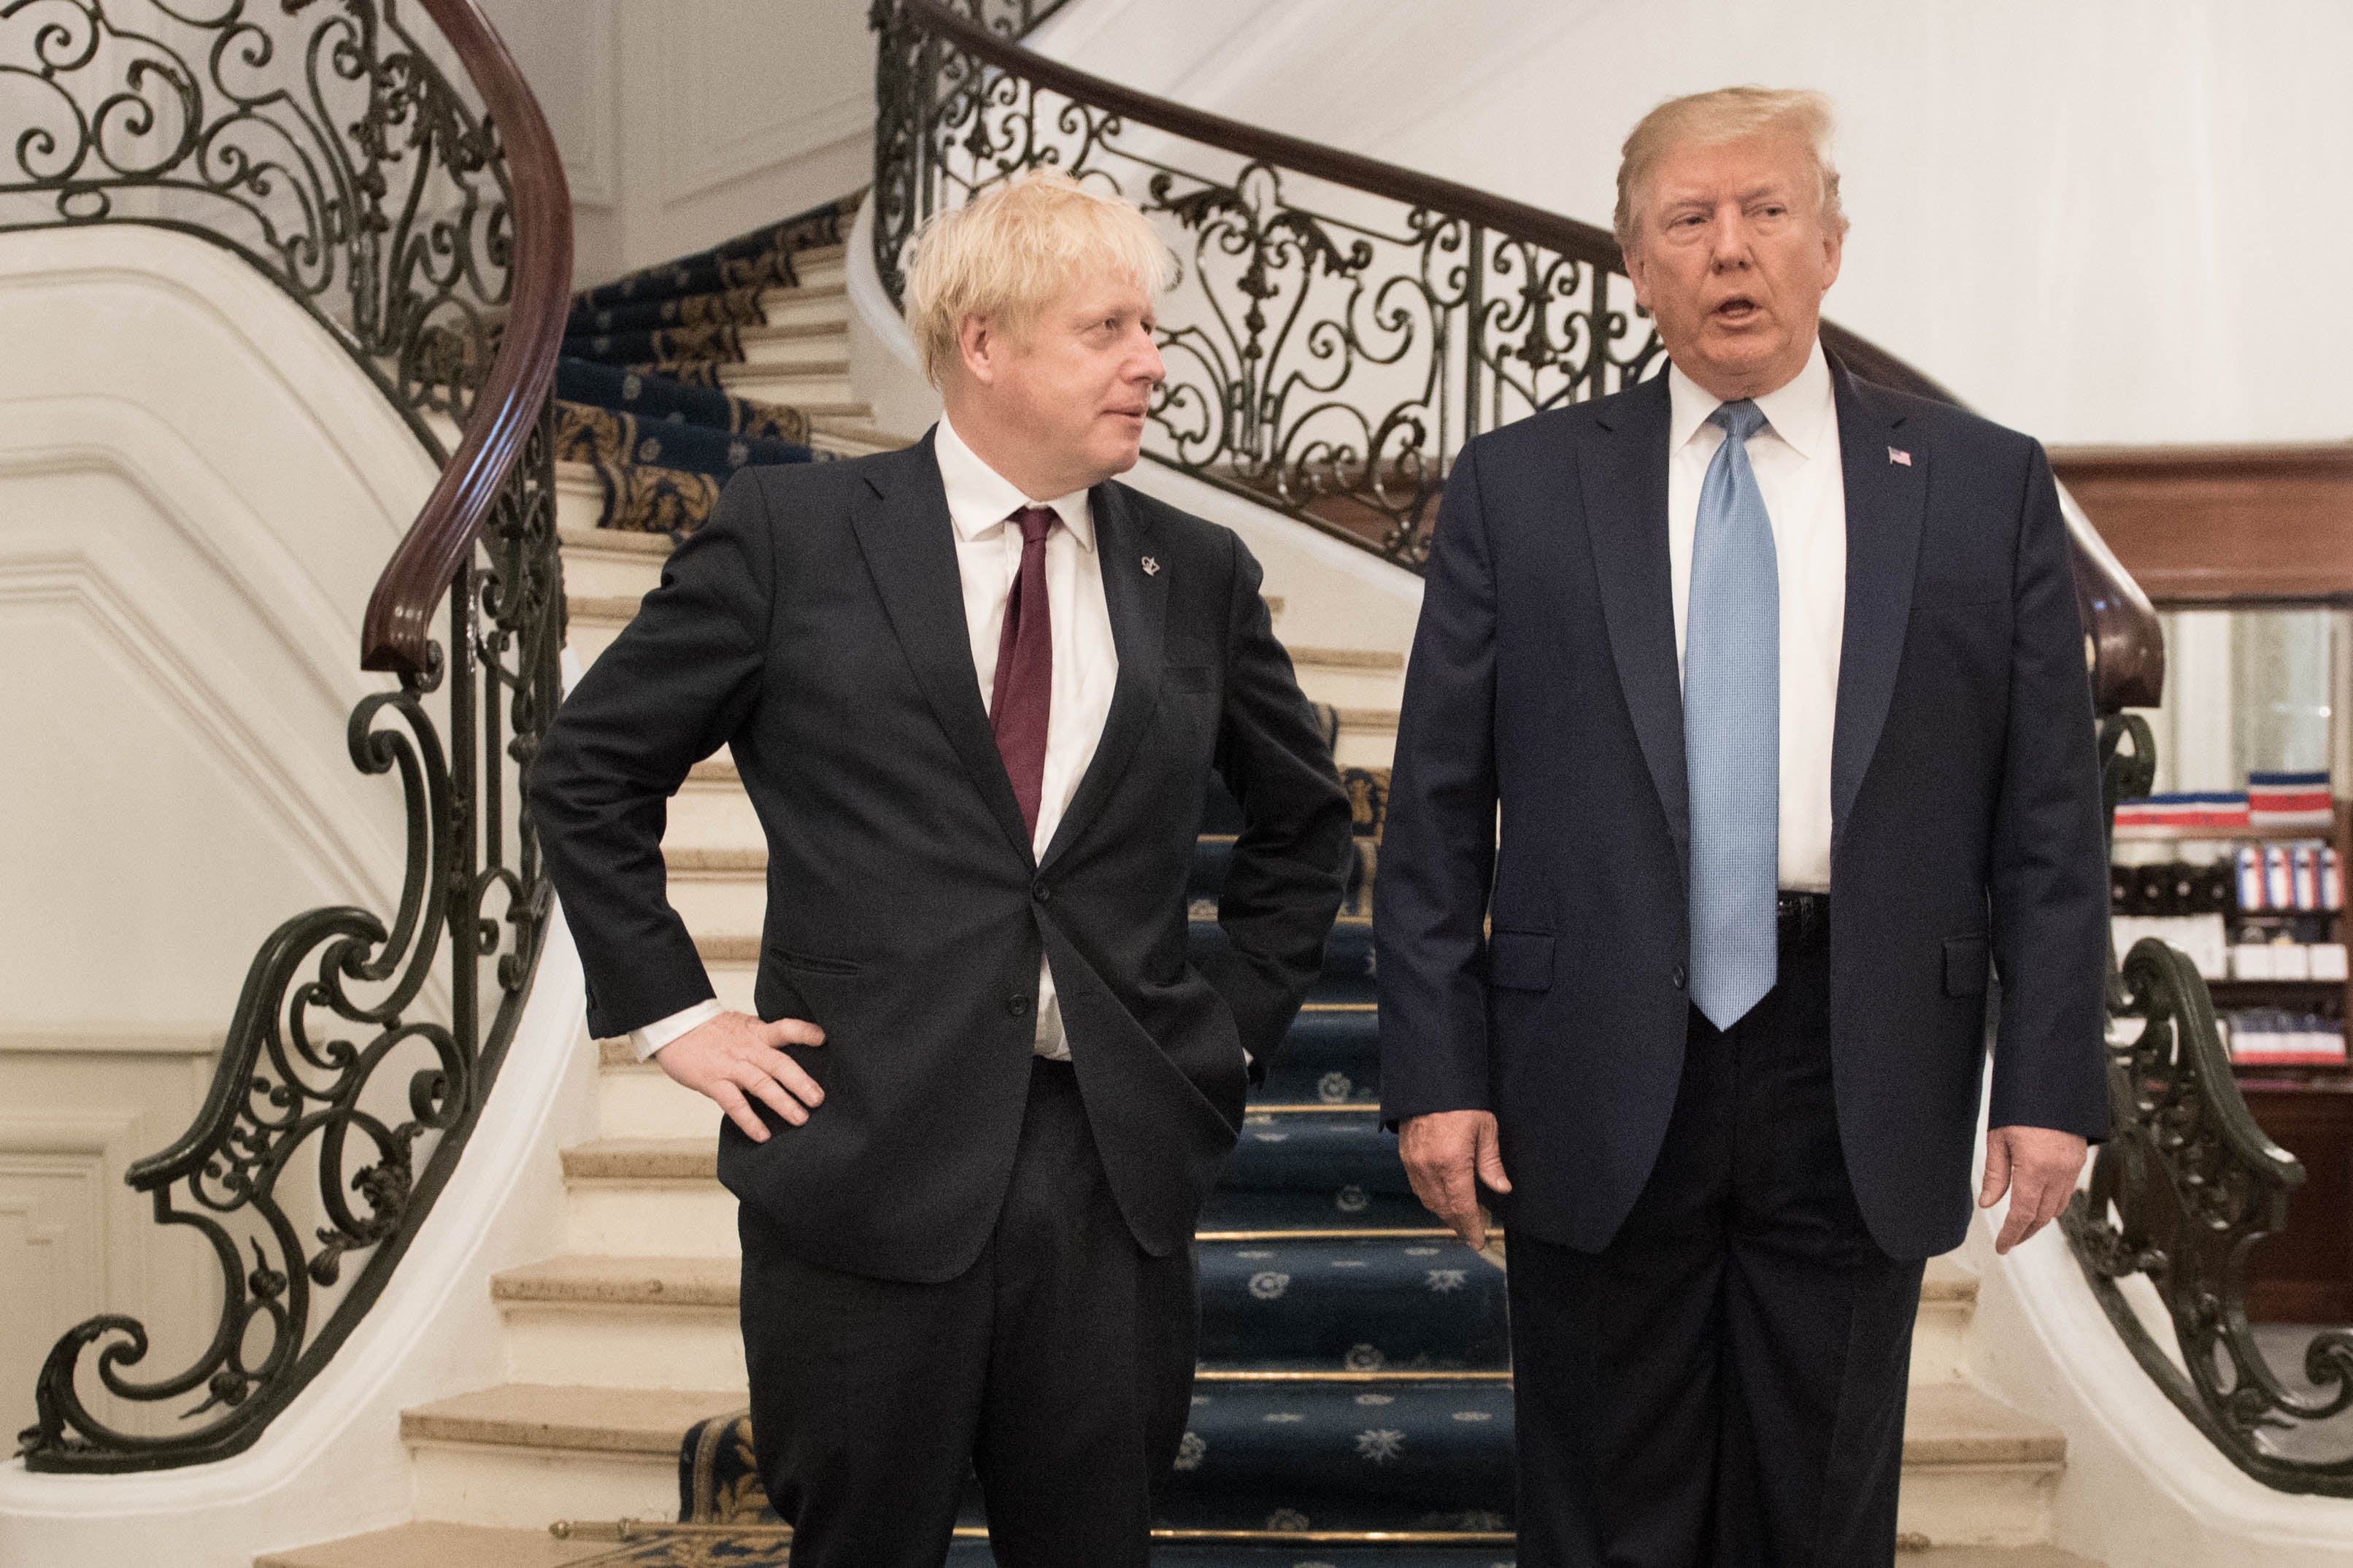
point(636, 1322)
point(819, 267)
point(819, 384)
point(605, 563)
point(855, 438)
point(522, 1454)
point(823, 304)
point(816, 393)
point(484, 1546)
point(810, 348)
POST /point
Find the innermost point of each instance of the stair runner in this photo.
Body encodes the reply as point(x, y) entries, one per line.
point(638, 391)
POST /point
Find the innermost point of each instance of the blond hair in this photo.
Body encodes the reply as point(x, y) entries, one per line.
point(1727, 114)
point(1007, 252)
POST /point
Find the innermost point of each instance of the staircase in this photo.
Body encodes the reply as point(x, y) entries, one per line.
point(1353, 1404)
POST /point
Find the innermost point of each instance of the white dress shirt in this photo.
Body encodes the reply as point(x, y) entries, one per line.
point(1086, 663)
point(1794, 456)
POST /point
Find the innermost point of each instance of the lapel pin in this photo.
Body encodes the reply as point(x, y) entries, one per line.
point(1898, 455)
point(1151, 567)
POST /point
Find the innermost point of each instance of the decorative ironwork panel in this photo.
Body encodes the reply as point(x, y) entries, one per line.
point(341, 1103)
point(2186, 1185)
point(1329, 349)
point(321, 143)
point(316, 138)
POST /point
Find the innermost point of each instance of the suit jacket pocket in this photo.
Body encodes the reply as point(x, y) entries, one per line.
point(1190, 676)
point(815, 964)
point(1964, 965)
point(1520, 960)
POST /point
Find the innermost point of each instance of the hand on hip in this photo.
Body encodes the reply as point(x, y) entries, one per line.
point(735, 1057)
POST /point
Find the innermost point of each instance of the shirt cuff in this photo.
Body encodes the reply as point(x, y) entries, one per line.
point(662, 1031)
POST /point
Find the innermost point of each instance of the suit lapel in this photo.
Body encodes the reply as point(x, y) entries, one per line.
point(909, 544)
point(1138, 603)
point(1886, 503)
point(1625, 488)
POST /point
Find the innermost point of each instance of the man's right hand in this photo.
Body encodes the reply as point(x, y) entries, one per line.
point(1447, 1154)
point(735, 1055)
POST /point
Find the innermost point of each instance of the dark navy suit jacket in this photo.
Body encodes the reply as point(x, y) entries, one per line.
point(815, 627)
point(1543, 978)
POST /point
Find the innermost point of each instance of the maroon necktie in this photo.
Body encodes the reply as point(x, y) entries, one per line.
point(1025, 669)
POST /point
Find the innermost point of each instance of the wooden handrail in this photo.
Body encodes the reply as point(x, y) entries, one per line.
point(2127, 646)
point(397, 632)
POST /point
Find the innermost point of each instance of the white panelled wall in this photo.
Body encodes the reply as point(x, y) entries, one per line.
point(684, 122)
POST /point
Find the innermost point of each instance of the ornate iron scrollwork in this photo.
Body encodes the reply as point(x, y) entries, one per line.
point(2185, 1187)
point(340, 1104)
point(1329, 348)
point(323, 146)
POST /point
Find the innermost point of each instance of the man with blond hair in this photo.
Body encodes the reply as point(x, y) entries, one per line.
point(1777, 679)
point(975, 690)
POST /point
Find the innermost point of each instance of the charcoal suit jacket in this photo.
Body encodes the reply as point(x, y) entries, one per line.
point(815, 627)
point(1965, 814)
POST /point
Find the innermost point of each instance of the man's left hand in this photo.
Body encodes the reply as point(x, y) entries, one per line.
point(2038, 1167)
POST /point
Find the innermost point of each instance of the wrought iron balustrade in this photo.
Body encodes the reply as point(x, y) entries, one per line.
point(1340, 327)
point(319, 141)
point(2182, 1192)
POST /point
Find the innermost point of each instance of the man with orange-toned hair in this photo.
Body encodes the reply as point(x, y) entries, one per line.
point(1778, 681)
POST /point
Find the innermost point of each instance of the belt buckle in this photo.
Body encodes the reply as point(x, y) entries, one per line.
point(1797, 915)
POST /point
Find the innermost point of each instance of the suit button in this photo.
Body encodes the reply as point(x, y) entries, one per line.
point(1017, 1006)
point(1680, 977)
point(1042, 893)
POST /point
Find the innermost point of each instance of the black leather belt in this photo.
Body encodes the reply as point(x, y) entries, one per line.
point(1802, 918)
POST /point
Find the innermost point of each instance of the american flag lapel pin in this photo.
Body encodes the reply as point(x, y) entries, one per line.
point(1151, 567)
point(1898, 455)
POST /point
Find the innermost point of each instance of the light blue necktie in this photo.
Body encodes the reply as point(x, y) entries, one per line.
point(1732, 730)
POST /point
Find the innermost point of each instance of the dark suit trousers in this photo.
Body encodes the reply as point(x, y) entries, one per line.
point(1059, 1366)
point(1722, 1386)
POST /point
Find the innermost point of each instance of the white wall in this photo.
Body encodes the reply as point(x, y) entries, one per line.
point(684, 122)
point(2096, 220)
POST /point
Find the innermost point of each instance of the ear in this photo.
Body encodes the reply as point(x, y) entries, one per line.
point(978, 347)
point(1833, 252)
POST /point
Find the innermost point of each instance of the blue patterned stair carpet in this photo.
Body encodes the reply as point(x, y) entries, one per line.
point(638, 392)
point(1353, 1404)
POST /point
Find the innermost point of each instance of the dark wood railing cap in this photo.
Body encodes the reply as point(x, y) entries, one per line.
point(397, 632)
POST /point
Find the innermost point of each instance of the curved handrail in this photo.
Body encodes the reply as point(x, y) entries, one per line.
point(374, 178)
point(2125, 646)
point(396, 631)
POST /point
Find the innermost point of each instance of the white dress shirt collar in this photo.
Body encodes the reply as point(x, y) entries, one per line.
point(980, 499)
point(1801, 412)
